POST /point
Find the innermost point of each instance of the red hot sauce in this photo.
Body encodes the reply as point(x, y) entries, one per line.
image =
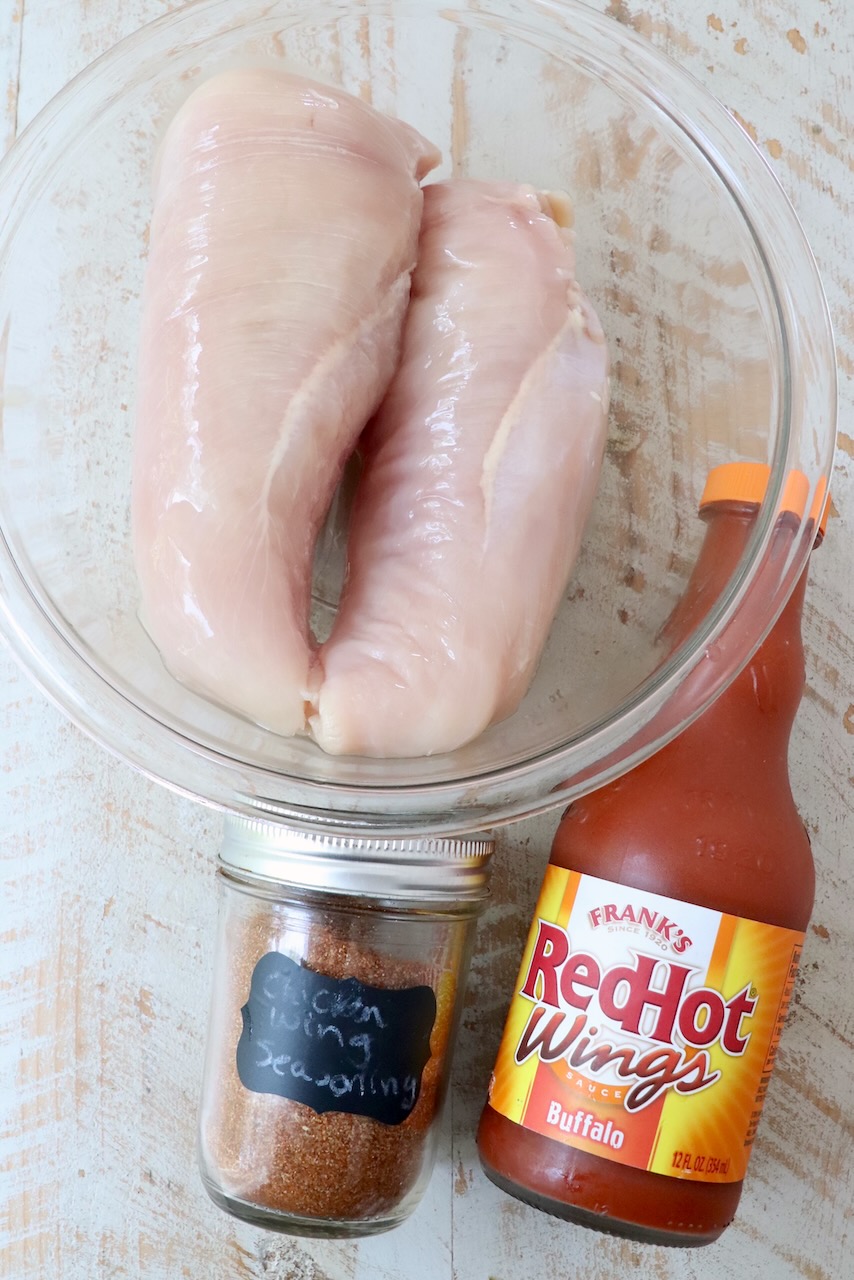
point(658, 970)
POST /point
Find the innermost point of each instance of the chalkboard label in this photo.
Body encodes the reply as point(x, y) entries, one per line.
point(334, 1044)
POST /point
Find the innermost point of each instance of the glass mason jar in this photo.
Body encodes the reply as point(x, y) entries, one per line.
point(339, 974)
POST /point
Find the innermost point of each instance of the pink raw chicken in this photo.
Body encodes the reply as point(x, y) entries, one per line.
point(283, 239)
point(481, 469)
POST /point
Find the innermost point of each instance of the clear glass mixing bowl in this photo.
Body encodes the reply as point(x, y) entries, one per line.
point(720, 343)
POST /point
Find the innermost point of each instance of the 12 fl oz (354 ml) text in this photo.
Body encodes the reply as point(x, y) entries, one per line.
point(699, 1164)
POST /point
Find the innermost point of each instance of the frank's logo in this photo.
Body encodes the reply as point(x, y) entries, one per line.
point(658, 927)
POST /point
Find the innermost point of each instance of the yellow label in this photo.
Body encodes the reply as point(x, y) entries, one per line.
point(644, 1029)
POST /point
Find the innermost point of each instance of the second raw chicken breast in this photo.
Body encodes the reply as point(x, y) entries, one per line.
point(480, 472)
point(283, 240)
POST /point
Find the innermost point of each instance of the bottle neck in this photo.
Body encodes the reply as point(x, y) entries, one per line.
point(758, 708)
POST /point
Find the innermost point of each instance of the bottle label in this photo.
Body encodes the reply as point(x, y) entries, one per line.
point(644, 1029)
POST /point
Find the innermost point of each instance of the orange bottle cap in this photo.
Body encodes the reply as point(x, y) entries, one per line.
point(748, 482)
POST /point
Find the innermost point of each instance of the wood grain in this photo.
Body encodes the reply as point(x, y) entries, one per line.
point(10, 71)
point(107, 909)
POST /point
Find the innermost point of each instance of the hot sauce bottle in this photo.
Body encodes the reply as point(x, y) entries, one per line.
point(660, 963)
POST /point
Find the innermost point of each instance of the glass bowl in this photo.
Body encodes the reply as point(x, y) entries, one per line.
point(721, 350)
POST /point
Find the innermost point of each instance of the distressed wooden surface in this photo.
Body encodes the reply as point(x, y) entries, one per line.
point(107, 904)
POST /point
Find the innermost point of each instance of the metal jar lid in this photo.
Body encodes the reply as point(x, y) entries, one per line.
point(410, 870)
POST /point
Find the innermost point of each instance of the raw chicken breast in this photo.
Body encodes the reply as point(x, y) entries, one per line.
point(480, 471)
point(282, 244)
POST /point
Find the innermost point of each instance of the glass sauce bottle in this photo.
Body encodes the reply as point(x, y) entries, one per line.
point(663, 952)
